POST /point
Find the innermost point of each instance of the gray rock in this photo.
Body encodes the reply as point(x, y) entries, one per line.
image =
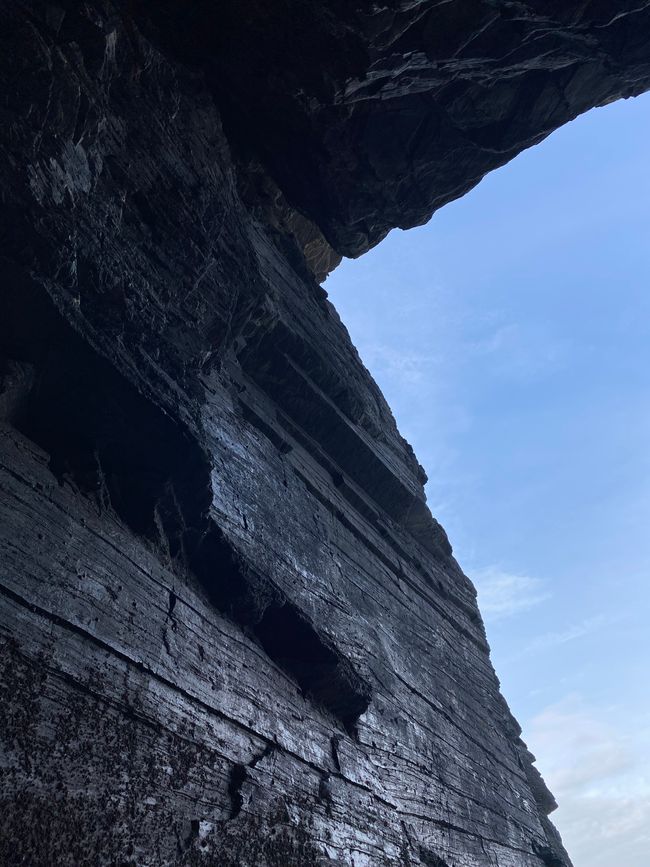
point(231, 631)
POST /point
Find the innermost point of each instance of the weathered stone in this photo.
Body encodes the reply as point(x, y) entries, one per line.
point(371, 114)
point(231, 632)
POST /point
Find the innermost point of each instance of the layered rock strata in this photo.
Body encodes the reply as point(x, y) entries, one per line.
point(231, 632)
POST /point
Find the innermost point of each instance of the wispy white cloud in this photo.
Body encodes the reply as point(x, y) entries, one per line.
point(519, 354)
point(496, 340)
point(406, 368)
point(571, 633)
point(597, 763)
point(503, 594)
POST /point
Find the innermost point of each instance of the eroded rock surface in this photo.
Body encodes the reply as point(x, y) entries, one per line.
point(231, 632)
point(371, 115)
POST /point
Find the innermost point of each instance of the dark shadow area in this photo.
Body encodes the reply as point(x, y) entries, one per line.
point(112, 444)
point(322, 673)
point(431, 859)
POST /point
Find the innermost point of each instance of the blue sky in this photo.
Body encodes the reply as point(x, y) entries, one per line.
point(511, 336)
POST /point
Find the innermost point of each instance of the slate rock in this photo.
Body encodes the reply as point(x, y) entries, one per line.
point(231, 631)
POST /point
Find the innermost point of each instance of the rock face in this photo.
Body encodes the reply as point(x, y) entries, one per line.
point(231, 632)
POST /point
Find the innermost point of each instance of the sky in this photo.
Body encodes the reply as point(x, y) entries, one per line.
point(511, 337)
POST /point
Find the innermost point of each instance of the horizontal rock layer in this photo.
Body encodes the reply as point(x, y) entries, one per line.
point(232, 633)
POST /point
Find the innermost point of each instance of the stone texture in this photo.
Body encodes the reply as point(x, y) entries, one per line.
point(231, 632)
point(371, 114)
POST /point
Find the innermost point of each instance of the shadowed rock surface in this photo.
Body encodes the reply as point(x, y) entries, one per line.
point(231, 633)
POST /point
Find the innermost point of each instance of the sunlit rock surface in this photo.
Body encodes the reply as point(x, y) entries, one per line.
point(231, 633)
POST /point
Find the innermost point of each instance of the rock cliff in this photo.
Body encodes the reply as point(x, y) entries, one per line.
point(231, 632)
